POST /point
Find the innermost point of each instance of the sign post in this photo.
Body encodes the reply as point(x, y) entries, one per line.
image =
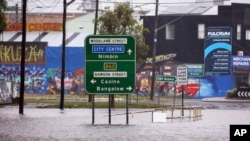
point(182, 80)
point(162, 78)
point(110, 65)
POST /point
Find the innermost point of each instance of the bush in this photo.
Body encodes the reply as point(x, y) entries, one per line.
point(232, 93)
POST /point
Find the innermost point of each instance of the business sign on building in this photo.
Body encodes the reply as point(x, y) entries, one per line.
point(241, 61)
point(35, 27)
point(110, 64)
point(218, 50)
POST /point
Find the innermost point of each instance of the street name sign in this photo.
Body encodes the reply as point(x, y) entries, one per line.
point(182, 77)
point(195, 70)
point(165, 78)
point(110, 64)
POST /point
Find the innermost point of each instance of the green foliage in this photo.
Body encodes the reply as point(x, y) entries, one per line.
point(120, 21)
point(232, 93)
point(3, 6)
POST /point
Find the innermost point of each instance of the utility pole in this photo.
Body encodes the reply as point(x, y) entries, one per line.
point(63, 54)
point(65, 4)
point(154, 50)
point(96, 15)
point(17, 16)
point(22, 79)
point(91, 97)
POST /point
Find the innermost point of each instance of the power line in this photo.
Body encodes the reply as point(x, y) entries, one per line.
point(160, 3)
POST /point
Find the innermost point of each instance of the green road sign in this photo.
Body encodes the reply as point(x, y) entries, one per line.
point(165, 78)
point(195, 70)
point(110, 64)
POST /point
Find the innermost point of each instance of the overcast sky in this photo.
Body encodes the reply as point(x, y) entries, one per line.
point(56, 6)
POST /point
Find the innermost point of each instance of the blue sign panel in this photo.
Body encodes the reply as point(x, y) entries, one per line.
point(241, 61)
point(218, 50)
point(195, 70)
point(108, 49)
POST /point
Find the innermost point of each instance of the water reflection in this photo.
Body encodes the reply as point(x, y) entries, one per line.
point(75, 125)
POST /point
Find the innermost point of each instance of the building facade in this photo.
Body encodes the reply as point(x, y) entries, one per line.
point(184, 35)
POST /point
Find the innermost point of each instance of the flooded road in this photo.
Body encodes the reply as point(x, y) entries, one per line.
point(76, 125)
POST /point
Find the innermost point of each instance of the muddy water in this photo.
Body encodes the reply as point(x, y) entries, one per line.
point(76, 125)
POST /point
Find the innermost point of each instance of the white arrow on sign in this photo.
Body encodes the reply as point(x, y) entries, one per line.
point(129, 88)
point(245, 94)
point(129, 51)
point(242, 94)
point(93, 81)
point(239, 94)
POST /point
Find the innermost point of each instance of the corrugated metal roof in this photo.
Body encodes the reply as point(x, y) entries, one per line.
point(198, 8)
point(73, 39)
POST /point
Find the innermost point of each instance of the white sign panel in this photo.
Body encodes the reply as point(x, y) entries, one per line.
point(182, 78)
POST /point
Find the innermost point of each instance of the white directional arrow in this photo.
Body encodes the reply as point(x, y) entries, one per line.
point(129, 88)
point(248, 94)
point(93, 81)
point(239, 94)
point(245, 94)
point(129, 51)
point(242, 94)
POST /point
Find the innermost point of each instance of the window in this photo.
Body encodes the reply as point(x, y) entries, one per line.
point(170, 32)
point(248, 34)
point(201, 31)
point(238, 32)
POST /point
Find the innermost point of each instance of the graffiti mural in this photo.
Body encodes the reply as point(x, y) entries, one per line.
point(10, 53)
point(7, 91)
point(74, 72)
point(197, 86)
point(73, 81)
point(34, 77)
point(43, 68)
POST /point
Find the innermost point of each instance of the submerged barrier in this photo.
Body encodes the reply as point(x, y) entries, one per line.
point(194, 113)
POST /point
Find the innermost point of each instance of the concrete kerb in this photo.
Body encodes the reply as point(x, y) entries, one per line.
point(73, 99)
point(224, 99)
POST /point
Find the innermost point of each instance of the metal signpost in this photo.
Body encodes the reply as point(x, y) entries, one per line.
point(182, 79)
point(110, 64)
point(163, 78)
